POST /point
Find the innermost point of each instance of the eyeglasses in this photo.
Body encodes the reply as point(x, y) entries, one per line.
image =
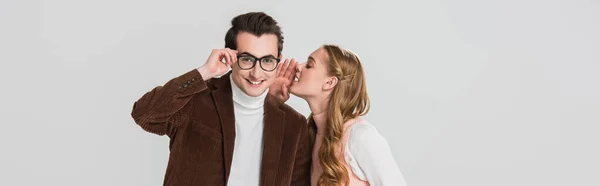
point(247, 61)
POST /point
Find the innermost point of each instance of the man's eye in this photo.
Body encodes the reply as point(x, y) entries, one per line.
point(247, 59)
point(269, 60)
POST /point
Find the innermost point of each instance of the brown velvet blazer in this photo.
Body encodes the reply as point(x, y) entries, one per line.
point(198, 117)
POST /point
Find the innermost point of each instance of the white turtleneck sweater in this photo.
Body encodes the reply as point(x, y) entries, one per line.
point(247, 151)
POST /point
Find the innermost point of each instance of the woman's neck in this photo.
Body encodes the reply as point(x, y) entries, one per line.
point(318, 108)
point(317, 105)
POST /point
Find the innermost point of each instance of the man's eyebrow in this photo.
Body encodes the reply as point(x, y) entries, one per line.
point(246, 53)
point(270, 55)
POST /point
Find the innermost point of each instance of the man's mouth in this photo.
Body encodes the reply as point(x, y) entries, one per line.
point(255, 83)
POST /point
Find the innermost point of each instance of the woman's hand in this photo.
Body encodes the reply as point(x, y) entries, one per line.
point(285, 77)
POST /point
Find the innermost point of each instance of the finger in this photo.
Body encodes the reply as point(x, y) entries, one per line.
point(235, 52)
point(229, 56)
point(284, 89)
point(224, 56)
point(233, 56)
point(284, 67)
point(285, 95)
point(292, 70)
point(277, 70)
point(282, 57)
point(288, 69)
point(280, 69)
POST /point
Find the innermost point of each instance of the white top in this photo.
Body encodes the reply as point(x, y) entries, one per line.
point(247, 151)
point(370, 157)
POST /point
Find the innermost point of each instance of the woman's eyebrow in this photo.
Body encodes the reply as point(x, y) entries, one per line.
point(312, 60)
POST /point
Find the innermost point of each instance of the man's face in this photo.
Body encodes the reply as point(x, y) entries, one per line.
point(255, 81)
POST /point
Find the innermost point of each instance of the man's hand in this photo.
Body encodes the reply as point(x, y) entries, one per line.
point(285, 77)
point(219, 62)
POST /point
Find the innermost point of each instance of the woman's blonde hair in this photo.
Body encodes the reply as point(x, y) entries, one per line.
point(348, 100)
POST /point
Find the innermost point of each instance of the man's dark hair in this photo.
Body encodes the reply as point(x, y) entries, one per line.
point(255, 23)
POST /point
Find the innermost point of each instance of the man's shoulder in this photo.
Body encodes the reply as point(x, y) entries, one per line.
point(290, 113)
point(288, 110)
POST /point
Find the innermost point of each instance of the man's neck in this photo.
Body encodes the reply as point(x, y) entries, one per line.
point(244, 100)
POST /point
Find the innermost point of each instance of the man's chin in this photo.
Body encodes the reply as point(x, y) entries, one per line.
point(254, 91)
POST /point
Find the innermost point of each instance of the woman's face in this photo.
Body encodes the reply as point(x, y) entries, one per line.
point(312, 75)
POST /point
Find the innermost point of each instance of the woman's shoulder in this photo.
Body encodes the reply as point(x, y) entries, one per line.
point(363, 135)
point(362, 128)
point(364, 142)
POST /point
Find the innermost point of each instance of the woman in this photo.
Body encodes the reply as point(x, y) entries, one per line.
point(347, 149)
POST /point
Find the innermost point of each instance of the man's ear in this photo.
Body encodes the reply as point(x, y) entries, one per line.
point(330, 83)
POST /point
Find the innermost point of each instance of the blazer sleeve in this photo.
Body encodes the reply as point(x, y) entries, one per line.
point(163, 109)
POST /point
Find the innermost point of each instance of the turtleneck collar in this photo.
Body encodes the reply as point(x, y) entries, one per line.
point(247, 103)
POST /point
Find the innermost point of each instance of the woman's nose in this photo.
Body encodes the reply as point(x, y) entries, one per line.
point(299, 67)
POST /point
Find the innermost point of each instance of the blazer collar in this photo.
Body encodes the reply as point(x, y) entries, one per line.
point(273, 132)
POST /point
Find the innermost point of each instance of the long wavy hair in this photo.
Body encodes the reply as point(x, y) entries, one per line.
point(348, 100)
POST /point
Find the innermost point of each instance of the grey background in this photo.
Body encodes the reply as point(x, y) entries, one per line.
point(468, 93)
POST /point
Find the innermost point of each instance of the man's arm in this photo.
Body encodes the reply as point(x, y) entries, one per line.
point(302, 164)
point(165, 108)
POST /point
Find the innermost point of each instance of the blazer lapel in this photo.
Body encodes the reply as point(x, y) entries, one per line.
point(223, 100)
point(274, 127)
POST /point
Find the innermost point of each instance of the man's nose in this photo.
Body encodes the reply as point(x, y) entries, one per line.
point(256, 70)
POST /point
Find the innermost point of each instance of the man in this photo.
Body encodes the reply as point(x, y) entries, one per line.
point(228, 130)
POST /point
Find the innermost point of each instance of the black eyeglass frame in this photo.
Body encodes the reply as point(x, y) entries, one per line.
point(255, 60)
